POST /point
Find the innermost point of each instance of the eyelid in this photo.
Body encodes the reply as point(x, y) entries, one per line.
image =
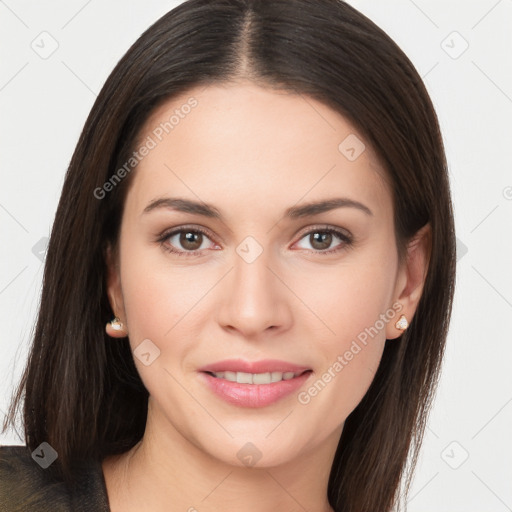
point(167, 233)
point(190, 227)
point(323, 227)
point(342, 233)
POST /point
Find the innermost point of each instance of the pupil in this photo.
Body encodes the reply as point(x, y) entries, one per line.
point(324, 238)
point(320, 240)
point(190, 238)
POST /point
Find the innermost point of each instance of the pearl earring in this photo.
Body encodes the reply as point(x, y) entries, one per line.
point(402, 323)
point(116, 324)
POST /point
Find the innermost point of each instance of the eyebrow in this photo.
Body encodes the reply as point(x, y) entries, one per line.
point(294, 212)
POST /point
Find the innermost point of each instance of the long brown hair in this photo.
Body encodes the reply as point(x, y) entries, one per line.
point(82, 393)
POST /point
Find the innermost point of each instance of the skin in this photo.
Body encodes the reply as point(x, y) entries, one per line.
point(252, 153)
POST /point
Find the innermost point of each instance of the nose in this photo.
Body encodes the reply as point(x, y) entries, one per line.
point(254, 300)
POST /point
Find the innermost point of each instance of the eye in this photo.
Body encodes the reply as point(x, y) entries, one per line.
point(190, 239)
point(321, 239)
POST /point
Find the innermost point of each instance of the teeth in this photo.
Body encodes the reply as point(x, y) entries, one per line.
point(255, 378)
point(276, 376)
point(243, 378)
point(261, 378)
point(231, 376)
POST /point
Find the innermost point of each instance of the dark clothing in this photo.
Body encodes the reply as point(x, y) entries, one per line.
point(26, 487)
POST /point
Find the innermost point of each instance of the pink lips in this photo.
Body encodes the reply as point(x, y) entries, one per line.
point(263, 366)
point(253, 395)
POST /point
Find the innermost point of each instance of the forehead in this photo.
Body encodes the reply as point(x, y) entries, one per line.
point(245, 147)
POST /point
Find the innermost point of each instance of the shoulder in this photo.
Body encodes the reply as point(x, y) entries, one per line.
point(26, 486)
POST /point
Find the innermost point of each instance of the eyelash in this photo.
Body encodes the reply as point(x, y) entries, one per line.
point(346, 238)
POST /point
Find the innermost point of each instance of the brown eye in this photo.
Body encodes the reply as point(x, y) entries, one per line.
point(320, 240)
point(185, 241)
point(190, 240)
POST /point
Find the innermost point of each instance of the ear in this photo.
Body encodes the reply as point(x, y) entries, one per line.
point(411, 278)
point(115, 294)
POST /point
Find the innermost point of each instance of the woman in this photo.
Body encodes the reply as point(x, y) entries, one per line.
point(249, 280)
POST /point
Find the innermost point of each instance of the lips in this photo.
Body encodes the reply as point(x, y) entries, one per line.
point(255, 378)
point(263, 366)
point(254, 384)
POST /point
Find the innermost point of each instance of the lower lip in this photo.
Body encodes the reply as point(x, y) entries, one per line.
point(253, 395)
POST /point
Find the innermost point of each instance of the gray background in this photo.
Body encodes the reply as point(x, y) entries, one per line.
point(466, 462)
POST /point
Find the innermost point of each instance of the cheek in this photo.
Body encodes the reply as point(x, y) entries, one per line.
point(156, 306)
point(349, 359)
point(153, 294)
point(354, 306)
point(163, 303)
point(348, 297)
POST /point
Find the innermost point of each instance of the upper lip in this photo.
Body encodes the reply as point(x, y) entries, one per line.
point(262, 366)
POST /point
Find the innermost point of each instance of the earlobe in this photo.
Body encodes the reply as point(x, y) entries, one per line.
point(116, 328)
point(412, 280)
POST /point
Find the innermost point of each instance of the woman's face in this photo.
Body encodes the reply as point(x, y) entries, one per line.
point(262, 288)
